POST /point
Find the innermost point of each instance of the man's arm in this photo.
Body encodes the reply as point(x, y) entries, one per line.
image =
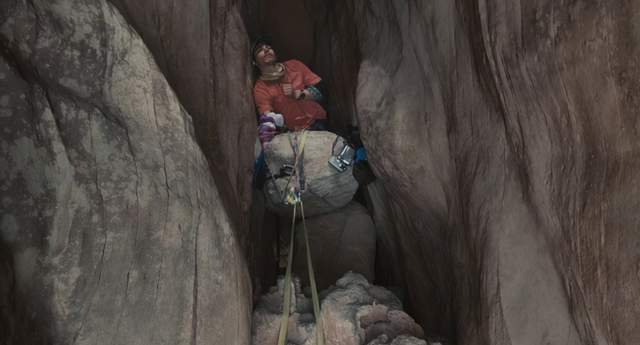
point(314, 85)
point(262, 99)
point(315, 92)
point(265, 107)
point(308, 77)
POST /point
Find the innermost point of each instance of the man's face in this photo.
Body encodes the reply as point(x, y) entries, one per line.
point(265, 55)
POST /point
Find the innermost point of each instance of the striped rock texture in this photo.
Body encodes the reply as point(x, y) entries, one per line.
point(112, 228)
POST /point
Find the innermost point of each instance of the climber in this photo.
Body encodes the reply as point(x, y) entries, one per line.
point(286, 93)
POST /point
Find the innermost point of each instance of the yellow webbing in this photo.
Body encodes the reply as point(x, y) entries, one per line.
point(282, 337)
point(286, 306)
point(312, 282)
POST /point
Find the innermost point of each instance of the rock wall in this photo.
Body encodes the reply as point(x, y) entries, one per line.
point(202, 48)
point(337, 57)
point(506, 137)
point(112, 229)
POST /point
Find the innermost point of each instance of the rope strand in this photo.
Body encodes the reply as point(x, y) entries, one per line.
point(319, 334)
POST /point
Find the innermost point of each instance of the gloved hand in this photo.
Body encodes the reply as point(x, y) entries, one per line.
point(269, 125)
point(276, 118)
point(264, 118)
point(266, 132)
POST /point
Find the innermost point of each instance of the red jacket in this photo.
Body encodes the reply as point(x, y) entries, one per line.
point(297, 114)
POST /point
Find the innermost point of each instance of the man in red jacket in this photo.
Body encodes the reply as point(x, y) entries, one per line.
point(287, 89)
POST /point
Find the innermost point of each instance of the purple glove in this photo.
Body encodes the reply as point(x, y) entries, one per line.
point(265, 118)
point(272, 117)
point(266, 132)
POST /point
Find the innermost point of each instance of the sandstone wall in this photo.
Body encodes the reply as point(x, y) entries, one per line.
point(112, 229)
point(506, 136)
point(202, 48)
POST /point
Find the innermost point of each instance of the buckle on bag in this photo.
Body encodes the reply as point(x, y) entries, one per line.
point(344, 158)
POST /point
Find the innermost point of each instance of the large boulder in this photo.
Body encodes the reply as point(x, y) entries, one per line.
point(327, 189)
point(112, 229)
point(341, 241)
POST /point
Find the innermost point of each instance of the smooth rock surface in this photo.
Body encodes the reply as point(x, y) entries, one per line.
point(388, 249)
point(202, 48)
point(341, 241)
point(327, 189)
point(111, 229)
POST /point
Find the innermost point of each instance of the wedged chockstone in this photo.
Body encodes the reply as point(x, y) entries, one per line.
point(340, 241)
point(326, 188)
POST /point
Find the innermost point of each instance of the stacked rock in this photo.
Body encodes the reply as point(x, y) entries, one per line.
point(354, 312)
